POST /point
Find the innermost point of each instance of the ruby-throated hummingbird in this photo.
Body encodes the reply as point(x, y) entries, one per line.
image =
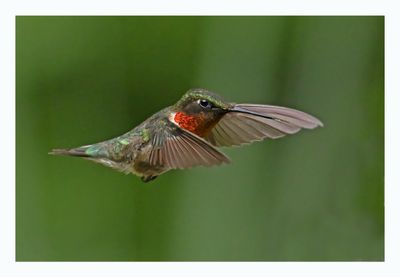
point(186, 134)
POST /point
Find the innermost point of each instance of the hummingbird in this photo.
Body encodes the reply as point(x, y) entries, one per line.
point(188, 133)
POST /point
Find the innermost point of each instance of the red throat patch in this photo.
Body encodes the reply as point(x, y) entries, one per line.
point(193, 124)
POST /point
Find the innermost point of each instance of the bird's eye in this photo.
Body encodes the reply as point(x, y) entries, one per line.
point(204, 103)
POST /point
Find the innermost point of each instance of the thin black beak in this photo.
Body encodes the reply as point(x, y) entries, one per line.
point(241, 110)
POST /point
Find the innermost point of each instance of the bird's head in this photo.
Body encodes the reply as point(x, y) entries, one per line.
point(199, 110)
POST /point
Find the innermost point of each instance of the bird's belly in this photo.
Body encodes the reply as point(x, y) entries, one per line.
point(142, 167)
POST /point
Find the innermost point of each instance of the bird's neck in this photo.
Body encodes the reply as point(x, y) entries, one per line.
point(196, 124)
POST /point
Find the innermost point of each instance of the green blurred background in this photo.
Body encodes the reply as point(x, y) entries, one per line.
point(317, 195)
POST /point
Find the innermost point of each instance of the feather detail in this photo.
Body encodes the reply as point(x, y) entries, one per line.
point(181, 149)
point(250, 122)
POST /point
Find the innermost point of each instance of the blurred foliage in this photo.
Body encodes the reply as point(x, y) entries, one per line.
point(317, 195)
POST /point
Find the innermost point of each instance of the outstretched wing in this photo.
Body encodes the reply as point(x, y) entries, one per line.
point(258, 122)
point(176, 148)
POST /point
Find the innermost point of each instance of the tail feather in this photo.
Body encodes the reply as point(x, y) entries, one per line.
point(77, 152)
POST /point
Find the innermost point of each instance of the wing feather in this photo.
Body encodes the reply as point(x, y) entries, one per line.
point(259, 122)
point(176, 148)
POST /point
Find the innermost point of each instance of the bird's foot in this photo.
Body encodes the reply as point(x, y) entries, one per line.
point(148, 178)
